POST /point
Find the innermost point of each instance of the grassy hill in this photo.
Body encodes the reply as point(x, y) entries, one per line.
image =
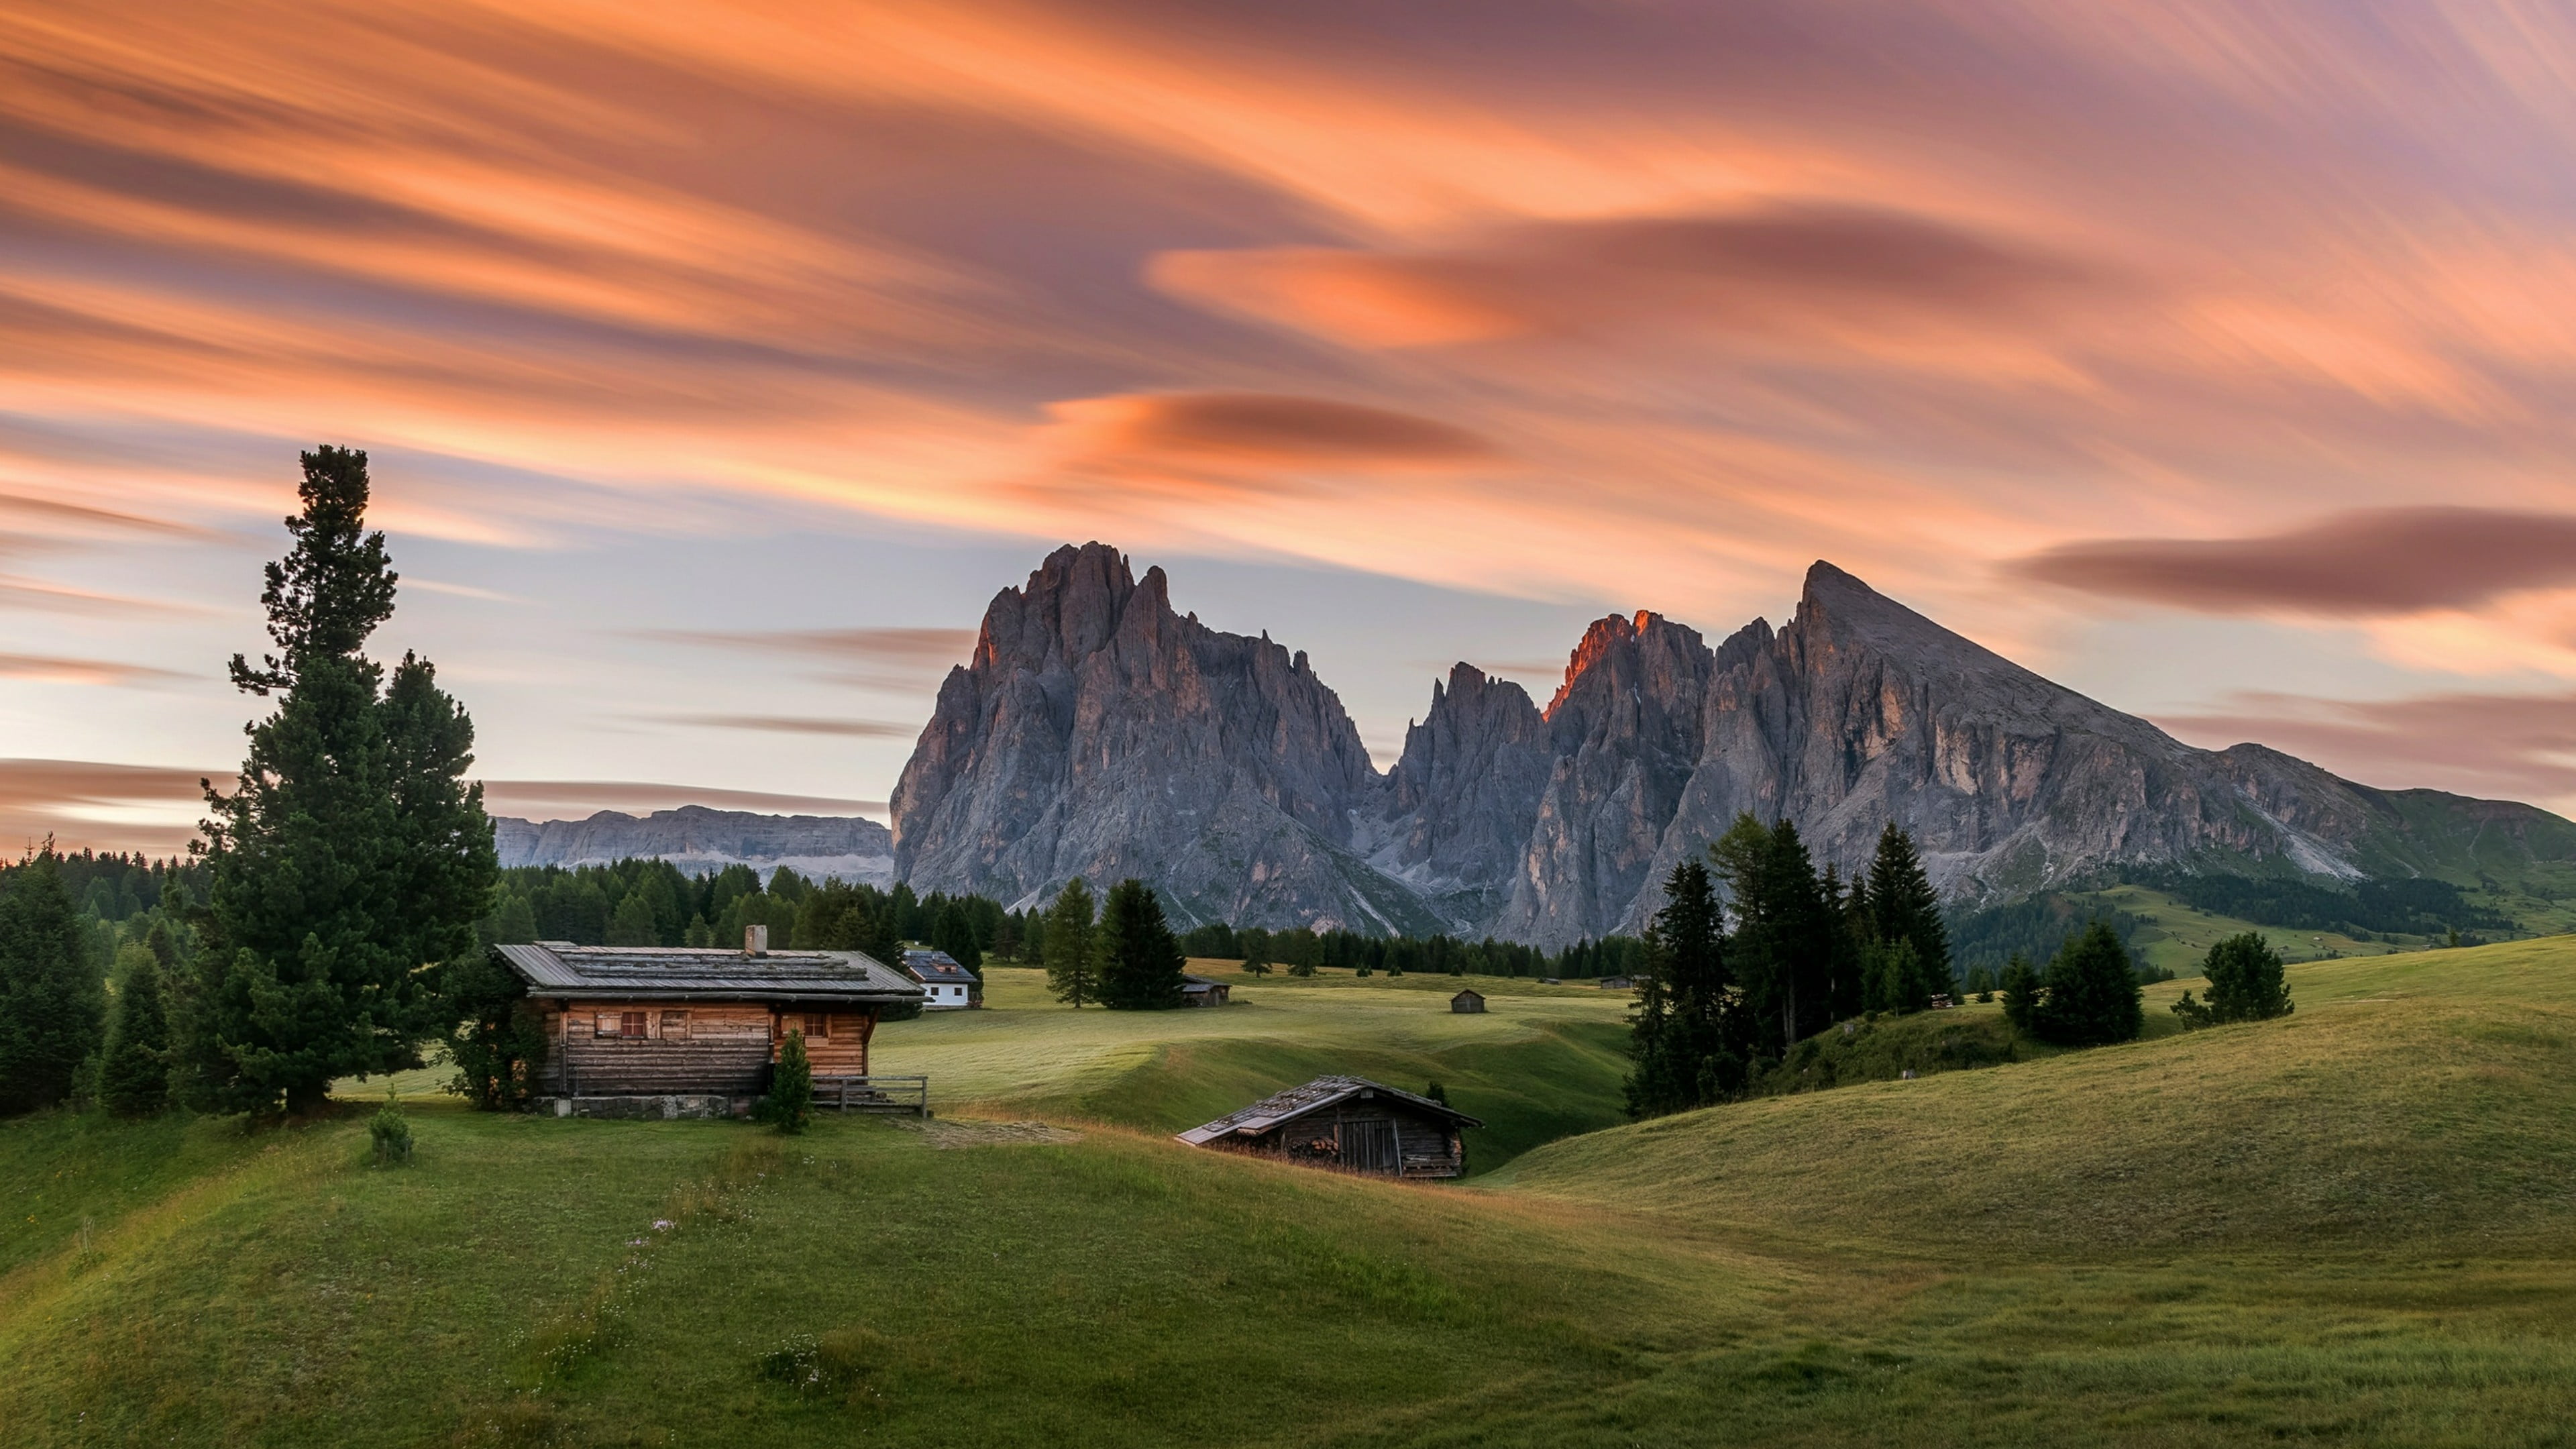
point(2358, 1224)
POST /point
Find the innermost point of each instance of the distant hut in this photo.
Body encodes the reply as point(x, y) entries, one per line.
point(1201, 991)
point(1467, 1002)
point(1617, 983)
point(1348, 1124)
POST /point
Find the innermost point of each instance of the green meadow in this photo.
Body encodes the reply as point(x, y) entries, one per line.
point(2357, 1224)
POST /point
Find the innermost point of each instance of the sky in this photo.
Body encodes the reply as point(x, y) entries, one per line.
point(717, 364)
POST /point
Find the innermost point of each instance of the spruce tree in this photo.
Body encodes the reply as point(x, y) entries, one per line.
point(1904, 907)
point(1781, 951)
point(1686, 1034)
point(1140, 961)
point(954, 932)
point(51, 1011)
point(1072, 973)
point(2021, 988)
point(499, 1043)
point(134, 1078)
point(789, 1103)
point(2092, 992)
point(354, 858)
point(2246, 980)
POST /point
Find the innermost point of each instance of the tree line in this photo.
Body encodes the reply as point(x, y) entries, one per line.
point(654, 903)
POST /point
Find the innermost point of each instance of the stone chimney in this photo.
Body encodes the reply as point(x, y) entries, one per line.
point(755, 940)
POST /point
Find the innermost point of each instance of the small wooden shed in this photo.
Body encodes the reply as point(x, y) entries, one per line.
point(1467, 1001)
point(666, 1023)
point(1348, 1124)
point(1203, 991)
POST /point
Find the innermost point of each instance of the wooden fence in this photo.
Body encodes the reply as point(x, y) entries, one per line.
point(874, 1094)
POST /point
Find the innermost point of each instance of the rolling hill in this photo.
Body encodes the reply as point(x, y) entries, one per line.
point(2352, 1225)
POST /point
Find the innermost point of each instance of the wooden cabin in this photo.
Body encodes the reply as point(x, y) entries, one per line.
point(1204, 991)
point(1467, 1002)
point(1347, 1124)
point(689, 1022)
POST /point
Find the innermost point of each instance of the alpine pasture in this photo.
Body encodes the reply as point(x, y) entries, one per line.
point(2353, 1224)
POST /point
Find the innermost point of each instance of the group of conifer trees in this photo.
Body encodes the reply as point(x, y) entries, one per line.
point(1729, 988)
point(346, 867)
point(1123, 956)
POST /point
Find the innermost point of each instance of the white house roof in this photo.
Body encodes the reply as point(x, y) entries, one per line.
point(928, 967)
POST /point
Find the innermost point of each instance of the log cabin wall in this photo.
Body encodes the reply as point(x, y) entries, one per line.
point(607, 1048)
point(836, 1042)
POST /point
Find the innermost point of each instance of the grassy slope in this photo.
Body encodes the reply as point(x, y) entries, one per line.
point(2429, 1095)
point(2352, 1225)
point(1540, 1063)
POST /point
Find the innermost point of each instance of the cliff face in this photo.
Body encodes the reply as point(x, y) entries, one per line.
point(1096, 733)
point(699, 840)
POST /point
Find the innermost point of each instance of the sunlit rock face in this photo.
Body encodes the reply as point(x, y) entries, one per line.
point(1096, 733)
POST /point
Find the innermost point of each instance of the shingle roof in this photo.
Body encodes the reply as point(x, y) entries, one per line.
point(1296, 1102)
point(556, 968)
point(939, 966)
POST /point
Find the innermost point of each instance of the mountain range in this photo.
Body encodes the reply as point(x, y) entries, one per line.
point(699, 840)
point(1098, 733)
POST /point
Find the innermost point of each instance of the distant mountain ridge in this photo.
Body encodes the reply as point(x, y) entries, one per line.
point(1097, 733)
point(699, 841)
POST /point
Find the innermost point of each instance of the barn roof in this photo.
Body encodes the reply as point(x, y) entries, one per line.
point(1314, 1096)
point(681, 973)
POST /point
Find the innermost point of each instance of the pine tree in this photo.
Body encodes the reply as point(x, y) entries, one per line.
point(2246, 980)
point(954, 932)
point(1781, 950)
point(499, 1043)
point(1140, 962)
point(1686, 1035)
point(51, 1013)
point(134, 1077)
point(2092, 992)
point(354, 858)
point(1904, 907)
point(2021, 992)
point(631, 924)
point(1072, 973)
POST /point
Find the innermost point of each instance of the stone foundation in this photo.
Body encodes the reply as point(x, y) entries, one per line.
point(646, 1108)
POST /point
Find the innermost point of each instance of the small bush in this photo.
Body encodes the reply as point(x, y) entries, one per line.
point(789, 1107)
point(389, 1135)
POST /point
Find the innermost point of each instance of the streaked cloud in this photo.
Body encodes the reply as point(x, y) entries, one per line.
point(2514, 746)
point(56, 669)
point(890, 659)
point(857, 729)
point(2360, 564)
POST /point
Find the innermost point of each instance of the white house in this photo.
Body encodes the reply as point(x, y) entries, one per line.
point(945, 985)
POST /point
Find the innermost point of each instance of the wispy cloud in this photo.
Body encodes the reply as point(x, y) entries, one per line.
point(53, 669)
point(856, 729)
point(2520, 746)
point(888, 659)
point(2360, 564)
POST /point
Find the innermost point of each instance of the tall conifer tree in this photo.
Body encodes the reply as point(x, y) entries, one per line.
point(1140, 961)
point(1686, 1034)
point(1904, 907)
point(51, 1010)
point(134, 1077)
point(354, 857)
point(1072, 968)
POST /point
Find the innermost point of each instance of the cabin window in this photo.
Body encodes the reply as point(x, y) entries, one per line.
point(818, 1027)
point(632, 1023)
point(675, 1026)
